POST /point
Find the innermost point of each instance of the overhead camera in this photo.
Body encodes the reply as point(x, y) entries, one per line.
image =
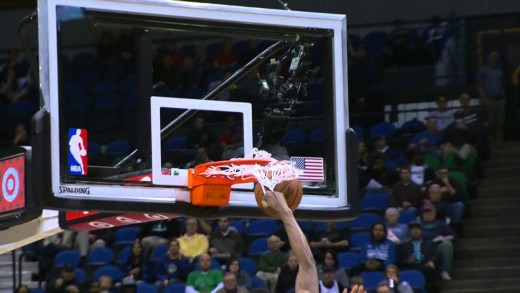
point(281, 87)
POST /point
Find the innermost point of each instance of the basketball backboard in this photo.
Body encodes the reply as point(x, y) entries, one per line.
point(138, 91)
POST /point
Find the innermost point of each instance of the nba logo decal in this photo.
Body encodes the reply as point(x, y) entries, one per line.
point(78, 152)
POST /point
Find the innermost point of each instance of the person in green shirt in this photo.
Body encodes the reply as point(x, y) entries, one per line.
point(271, 262)
point(205, 279)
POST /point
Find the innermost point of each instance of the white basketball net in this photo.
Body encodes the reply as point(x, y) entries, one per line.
point(268, 175)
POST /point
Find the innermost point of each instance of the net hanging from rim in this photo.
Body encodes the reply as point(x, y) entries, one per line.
point(267, 170)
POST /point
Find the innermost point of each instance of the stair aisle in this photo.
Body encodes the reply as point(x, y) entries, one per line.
point(6, 272)
point(488, 256)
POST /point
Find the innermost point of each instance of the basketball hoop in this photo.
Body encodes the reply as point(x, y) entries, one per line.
point(210, 183)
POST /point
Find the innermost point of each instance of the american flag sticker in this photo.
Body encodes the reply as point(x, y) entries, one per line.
point(311, 168)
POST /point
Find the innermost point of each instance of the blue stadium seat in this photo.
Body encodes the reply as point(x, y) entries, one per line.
point(248, 265)
point(78, 103)
point(126, 235)
point(123, 256)
point(80, 275)
point(104, 86)
point(385, 129)
point(261, 227)
point(316, 92)
point(83, 60)
point(127, 85)
point(111, 271)
point(194, 93)
point(36, 290)
point(347, 260)
point(293, 136)
point(146, 288)
point(175, 288)
point(360, 239)
point(75, 89)
point(414, 278)
point(258, 246)
point(306, 226)
point(317, 134)
point(101, 255)
point(23, 108)
point(413, 126)
point(107, 102)
point(71, 257)
point(372, 279)
point(189, 50)
point(364, 221)
point(378, 202)
point(406, 217)
point(88, 75)
point(257, 283)
point(118, 147)
point(115, 72)
point(159, 251)
point(360, 132)
point(321, 226)
point(175, 143)
point(239, 225)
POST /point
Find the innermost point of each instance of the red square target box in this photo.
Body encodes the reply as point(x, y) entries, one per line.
point(12, 189)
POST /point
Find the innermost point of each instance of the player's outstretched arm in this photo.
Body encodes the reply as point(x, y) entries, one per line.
point(356, 289)
point(307, 278)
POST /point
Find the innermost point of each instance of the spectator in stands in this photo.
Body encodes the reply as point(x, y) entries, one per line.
point(21, 135)
point(230, 130)
point(443, 115)
point(475, 118)
point(397, 232)
point(226, 242)
point(106, 51)
point(330, 259)
point(170, 49)
point(457, 140)
point(383, 287)
point(421, 174)
point(95, 287)
point(377, 253)
point(420, 254)
point(201, 157)
point(235, 149)
point(363, 156)
point(128, 285)
point(395, 158)
point(406, 195)
point(328, 280)
point(357, 72)
point(442, 235)
point(394, 281)
point(399, 48)
point(22, 289)
point(192, 243)
point(429, 141)
point(166, 73)
point(226, 59)
point(201, 62)
point(125, 48)
point(450, 188)
point(287, 277)
point(205, 279)
point(65, 283)
point(490, 81)
point(105, 284)
point(15, 87)
point(378, 176)
point(230, 285)
point(188, 77)
point(434, 39)
point(173, 267)
point(134, 265)
point(330, 239)
point(271, 262)
point(155, 233)
point(200, 135)
point(242, 277)
point(450, 211)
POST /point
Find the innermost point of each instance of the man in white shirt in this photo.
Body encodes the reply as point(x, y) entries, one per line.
point(443, 115)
